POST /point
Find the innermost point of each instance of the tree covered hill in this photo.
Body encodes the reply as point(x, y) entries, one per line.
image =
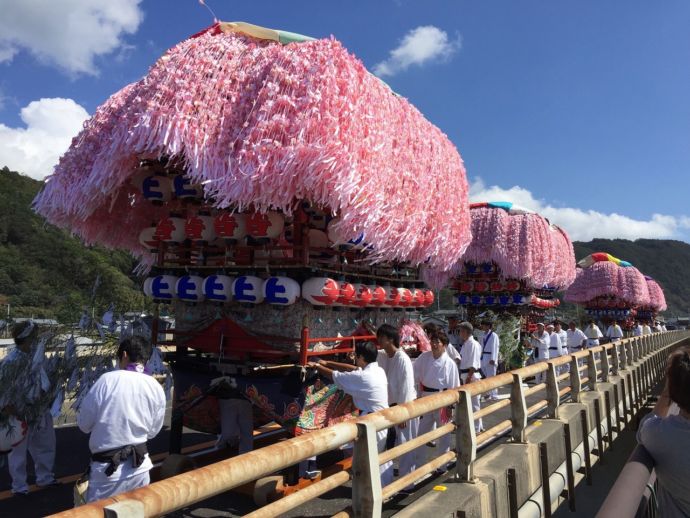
point(667, 261)
point(47, 273)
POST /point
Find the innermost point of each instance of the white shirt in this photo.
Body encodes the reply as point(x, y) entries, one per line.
point(471, 358)
point(541, 345)
point(657, 328)
point(564, 341)
point(400, 376)
point(663, 328)
point(638, 330)
point(593, 334)
point(368, 387)
point(646, 330)
point(490, 346)
point(122, 408)
point(452, 351)
point(555, 346)
point(436, 373)
point(614, 332)
point(575, 339)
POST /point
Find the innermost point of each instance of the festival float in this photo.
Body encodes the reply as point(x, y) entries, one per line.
point(516, 263)
point(281, 199)
point(657, 301)
point(609, 289)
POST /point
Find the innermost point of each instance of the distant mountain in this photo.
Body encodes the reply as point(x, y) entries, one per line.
point(667, 261)
point(45, 272)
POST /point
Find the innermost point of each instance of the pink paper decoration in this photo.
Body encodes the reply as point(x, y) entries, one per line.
point(657, 299)
point(524, 246)
point(264, 124)
point(606, 278)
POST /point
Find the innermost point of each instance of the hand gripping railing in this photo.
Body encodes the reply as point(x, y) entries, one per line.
point(648, 353)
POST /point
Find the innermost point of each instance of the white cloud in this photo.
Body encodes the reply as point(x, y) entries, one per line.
point(50, 126)
point(68, 34)
point(584, 225)
point(419, 46)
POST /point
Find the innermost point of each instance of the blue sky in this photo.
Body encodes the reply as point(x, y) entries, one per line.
point(567, 107)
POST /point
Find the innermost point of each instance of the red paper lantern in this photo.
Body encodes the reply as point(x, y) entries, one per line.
point(428, 298)
point(321, 291)
point(466, 287)
point(363, 295)
point(230, 226)
point(513, 285)
point(497, 286)
point(347, 294)
point(378, 295)
point(405, 297)
point(481, 286)
point(392, 297)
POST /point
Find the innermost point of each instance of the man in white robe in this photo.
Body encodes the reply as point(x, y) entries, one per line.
point(490, 344)
point(563, 335)
point(646, 330)
point(368, 386)
point(577, 340)
point(614, 332)
point(470, 366)
point(453, 333)
point(122, 411)
point(555, 345)
point(637, 330)
point(540, 341)
point(434, 371)
point(39, 441)
point(593, 334)
point(401, 389)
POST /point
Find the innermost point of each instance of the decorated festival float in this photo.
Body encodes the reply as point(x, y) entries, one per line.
point(282, 201)
point(515, 264)
point(657, 302)
point(610, 289)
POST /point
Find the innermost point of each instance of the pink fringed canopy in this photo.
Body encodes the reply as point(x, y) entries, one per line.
point(657, 299)
point(262, 124)
point(607, 279)
point(523, 245)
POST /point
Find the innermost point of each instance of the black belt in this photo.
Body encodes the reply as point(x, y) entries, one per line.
point(487, 352)
point(427, 389)
point(117, 456)
point(578, 347)
point(554, 348)
point(464, 371)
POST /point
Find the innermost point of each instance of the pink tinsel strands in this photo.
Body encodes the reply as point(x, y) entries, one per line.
point(263, 125)
point(411, 331)
point(523, 246)
point(607, 279)
point(657, 299)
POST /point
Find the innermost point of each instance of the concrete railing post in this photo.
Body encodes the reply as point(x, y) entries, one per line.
point(615, 361)
point(592, 370)
point(629, 353)
point(366, 475)
point(518, 410)
point(575, 379)
point(125, 509)
point(553, 399)
point(605, 366)
point(465, 437)
point(622, 356)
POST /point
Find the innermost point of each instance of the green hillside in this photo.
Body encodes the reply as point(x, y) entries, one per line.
point(666, 260)
point(45, 272)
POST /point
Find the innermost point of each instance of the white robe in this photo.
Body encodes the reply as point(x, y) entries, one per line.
point(555, 346)
point(638, 330)
point(441, 374)
point(491, 346)
point(564, 341)
point(575, 339)
point(122, 408)
point(593, 334)
point(614, 333)
point(401, 389)
point(369, 390)
point(541, 346)
point(472, 359)
point(646, 330)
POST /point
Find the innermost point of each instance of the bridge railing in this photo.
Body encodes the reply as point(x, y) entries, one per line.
point(639, 360)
